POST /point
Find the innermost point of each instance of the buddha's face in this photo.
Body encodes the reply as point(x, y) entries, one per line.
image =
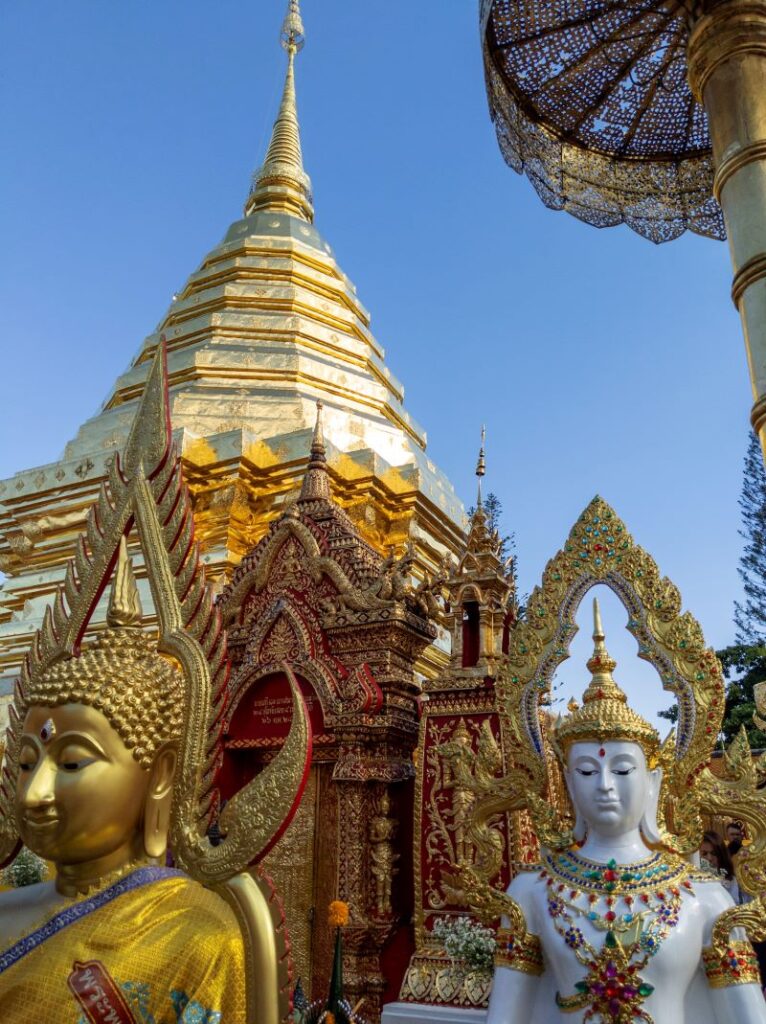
point(610, 785)
point(80, 794)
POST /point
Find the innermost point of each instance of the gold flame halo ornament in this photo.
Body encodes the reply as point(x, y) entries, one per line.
point(182, 688)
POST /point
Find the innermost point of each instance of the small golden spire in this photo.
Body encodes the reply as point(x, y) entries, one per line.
point(281, 184)
point(316, 483)
point(481, 465)
point(601, 665)
point(292, 36)
point(605, 713)
point(124, 601)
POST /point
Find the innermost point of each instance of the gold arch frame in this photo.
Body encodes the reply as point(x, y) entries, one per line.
point(600, 550)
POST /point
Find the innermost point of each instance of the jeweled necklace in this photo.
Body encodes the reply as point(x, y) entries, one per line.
point(631, 892)
point(613, 991)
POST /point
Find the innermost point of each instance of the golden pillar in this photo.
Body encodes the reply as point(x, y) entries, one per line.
point(727, 73)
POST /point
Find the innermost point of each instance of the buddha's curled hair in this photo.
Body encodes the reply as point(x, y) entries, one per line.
point(122, 675)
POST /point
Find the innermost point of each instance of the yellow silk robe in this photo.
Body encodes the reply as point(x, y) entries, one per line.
point(166, 951)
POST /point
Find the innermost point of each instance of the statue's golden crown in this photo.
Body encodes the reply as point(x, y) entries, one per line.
point(120, 674)
point(605, 714)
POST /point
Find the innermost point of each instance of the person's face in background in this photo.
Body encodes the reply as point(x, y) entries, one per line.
point(708, 854)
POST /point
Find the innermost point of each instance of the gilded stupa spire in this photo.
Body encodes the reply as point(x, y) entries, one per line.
point(601, 665)
point(316, 483)
point(604, 714)
point(281, 184)
point(481, 467)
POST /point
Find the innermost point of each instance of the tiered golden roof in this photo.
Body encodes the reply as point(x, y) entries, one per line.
point(266, 326)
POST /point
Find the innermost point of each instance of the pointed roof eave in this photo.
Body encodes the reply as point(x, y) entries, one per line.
point(316, 482)
point(281, 184)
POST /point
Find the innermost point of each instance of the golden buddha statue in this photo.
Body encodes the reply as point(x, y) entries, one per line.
point(617, 924)
point(110, 761)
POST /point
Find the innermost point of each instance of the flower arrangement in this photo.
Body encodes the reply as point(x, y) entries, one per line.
point(337, 914)
point(468, 943)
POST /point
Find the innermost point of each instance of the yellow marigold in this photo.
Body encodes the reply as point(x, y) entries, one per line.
point(329, 1017)
point(337, 916)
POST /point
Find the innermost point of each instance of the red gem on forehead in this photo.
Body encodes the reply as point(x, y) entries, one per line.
point(48, 730)
point(601, 752)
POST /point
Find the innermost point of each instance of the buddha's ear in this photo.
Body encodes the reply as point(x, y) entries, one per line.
point(580, 829)
point(649, 826)
point(159, 797)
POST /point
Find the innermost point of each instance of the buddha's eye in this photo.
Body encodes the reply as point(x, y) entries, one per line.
point(624, 771)
point(27, 760)
point(72, 759)
point(587, 772)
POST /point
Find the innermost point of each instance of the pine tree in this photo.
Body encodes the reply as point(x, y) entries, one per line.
point(744, 662)
point(750, 616)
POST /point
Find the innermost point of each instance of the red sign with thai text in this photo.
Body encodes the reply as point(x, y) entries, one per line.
point(98, 994)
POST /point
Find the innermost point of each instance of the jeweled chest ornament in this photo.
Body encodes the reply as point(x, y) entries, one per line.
point(643, 904)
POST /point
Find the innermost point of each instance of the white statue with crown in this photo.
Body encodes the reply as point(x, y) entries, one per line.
point(617, 924)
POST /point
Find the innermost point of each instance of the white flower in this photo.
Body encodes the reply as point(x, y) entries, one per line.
point(468, 942)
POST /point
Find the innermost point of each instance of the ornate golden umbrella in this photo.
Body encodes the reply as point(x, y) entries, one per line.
point(644, 112)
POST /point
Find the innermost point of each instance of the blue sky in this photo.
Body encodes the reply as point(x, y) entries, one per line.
point(599, 362)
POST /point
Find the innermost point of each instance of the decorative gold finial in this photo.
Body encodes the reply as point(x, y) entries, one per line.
point(124, 601)
point(481, 465)
point(604, 714)
point(601, 665)
point(316, 483)
point(292, 36)
point(281, 185)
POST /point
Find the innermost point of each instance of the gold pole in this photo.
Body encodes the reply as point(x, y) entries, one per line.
point(727, 73)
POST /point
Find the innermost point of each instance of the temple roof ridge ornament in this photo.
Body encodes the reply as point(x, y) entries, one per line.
point(316, 482)
point(281, 184)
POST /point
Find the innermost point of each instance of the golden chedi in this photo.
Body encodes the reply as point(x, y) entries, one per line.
point(110, 762)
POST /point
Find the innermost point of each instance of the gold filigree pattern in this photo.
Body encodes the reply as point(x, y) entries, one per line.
point(146, 490)
point(520, 951)
point(599, 550)
point(591, 102)
point(436, 980)
point(736, 964)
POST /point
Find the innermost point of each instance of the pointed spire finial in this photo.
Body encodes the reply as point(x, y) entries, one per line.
point(481, 465)
point(601, 665)
point(281, 184)
point(292, 36)
point(124, 601)
point(316, 483)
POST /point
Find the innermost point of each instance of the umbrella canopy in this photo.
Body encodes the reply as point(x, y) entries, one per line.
point(590, 100)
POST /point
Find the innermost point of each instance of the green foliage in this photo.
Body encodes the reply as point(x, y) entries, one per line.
point(744, 662)
point(743, 666)
point(750, 616)
point(26, 869)
point(671, 713)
